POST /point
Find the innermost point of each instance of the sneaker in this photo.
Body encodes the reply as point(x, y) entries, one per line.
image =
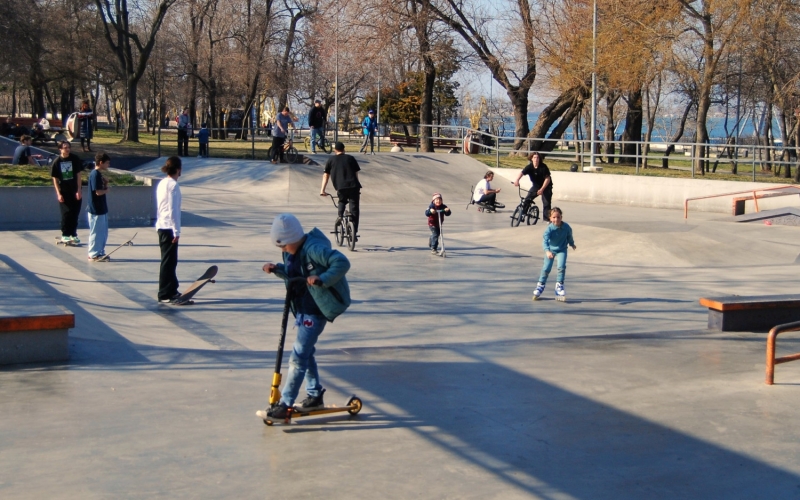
point(313, 401)
point(434, 251)
point(262, 414)
point(561, 294)
point(278, 410)
point(499, 205)
point(538, 292)
point(373, 153)
point(75, 240)
point(171, 299)
point(66, 239)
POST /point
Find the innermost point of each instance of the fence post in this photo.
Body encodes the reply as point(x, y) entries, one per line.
point(754, 163)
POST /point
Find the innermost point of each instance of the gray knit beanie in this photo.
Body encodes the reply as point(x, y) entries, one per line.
point(286, 229)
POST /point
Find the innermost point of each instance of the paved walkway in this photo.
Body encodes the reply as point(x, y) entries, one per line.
point(470, 389)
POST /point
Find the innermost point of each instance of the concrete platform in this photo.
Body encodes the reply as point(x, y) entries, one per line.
point(470, 389)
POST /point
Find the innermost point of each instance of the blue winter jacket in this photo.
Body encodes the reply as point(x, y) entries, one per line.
point(370, 125)
point(556, 239)
point(318, 258)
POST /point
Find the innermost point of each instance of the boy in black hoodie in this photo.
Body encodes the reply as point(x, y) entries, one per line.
point(435, 219)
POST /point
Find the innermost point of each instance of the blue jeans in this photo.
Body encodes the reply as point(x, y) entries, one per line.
point(98, 234)
point(302, 363)
point(317, 133)
point(561, 266)
point(434, 241)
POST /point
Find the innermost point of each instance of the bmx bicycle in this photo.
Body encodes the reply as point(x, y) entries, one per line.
point(322, 143)
point(288, 150)
point(344, 229)
point(531, 216)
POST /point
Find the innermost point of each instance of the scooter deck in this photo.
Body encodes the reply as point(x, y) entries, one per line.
point(353, 406)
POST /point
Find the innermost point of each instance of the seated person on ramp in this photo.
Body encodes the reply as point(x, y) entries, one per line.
point(486, 195)
point(326, 296)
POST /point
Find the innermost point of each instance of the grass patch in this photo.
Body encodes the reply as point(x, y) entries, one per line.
point(26, 175)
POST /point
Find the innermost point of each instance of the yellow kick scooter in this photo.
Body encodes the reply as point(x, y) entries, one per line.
point(353, 405)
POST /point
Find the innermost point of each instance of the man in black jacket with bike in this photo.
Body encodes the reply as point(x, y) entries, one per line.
point(542, 184)
point(343, 170)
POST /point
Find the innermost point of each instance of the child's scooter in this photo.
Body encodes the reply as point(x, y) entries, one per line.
point(441, 232)
point(353, 405)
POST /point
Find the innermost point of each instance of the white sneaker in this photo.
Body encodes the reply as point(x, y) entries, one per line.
point(262, 414)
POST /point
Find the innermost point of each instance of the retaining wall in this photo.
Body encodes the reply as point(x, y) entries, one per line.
point(650, 192)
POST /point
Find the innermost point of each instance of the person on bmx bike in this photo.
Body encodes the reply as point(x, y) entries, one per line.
point(539, 174)
point(343, 169)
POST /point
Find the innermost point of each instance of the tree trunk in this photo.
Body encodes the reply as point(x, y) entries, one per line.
point(632, 135)
point(678, 134)
point(565, 107)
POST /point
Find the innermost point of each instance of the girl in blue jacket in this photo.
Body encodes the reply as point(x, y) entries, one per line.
point(555, 240)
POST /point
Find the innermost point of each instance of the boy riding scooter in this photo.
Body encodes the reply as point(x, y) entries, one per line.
point(324, 296)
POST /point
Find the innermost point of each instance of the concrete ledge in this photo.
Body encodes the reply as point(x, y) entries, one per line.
point(649, 192)
point(33, 328)
point(24, 208)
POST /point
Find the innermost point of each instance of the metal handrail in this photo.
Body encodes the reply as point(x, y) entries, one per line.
point(772, 340)
point(749, 191)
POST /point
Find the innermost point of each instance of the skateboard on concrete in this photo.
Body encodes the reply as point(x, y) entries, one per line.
point(127, 243)
point(66, 243)
point(186, 298)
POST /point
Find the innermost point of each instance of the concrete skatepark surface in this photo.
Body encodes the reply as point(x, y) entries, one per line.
point(470, 389)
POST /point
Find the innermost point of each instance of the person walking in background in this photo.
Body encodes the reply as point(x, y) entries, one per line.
point(435, 214)
point(168, 225)
point(86, 126)
point(202, 139)
point(184, 132)
point(555, 240)
point(539, 174)
point(282, 123)
point(317, 118)
point(98, 207)
point(343, 169)
point(22, 155)
point(370, 125)
point(66, 173)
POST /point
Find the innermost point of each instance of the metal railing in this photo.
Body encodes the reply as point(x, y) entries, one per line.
point(772, 340)
point(752, 192)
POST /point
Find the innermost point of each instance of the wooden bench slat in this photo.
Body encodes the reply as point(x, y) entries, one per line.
point(28, 323)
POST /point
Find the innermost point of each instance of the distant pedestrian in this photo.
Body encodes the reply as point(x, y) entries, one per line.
point(86, 126)
point(98, 207)
point(435, 214)
point(66, 173)
point(317, 118)
point(22, 155)
point(282, 124)
point(202, 139)
point(184, 132)
point(555, 239)
point(168, 225)
point(369, 126)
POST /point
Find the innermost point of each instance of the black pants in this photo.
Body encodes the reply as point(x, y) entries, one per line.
point(183, 143)
point(277, 148)
point(489, 199)
point(352, 196)
point(204, 149)
point(86, 142)
point(167, 278)
point(70, 211)
point(547, 196)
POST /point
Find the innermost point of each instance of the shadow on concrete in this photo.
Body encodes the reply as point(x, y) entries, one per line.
point(550, 442)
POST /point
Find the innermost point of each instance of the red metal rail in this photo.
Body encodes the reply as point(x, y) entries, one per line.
point(772, 339)
point(753, 192)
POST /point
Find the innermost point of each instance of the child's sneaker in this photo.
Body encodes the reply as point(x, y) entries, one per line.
point(278, 411)
point(561, 294)
point(538, 291)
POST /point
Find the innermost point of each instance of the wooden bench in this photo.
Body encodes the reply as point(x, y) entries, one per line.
point(751, 313)
point(33, 328)
point(407, 140)
point(51, 134)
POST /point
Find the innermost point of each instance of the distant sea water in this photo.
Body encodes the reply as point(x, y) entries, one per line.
point(663, 131)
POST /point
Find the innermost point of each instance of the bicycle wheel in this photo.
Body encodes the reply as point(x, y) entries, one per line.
point(351, 234)
point(292, 155)
point(307, 142)
point(533, 215)
point(338, 231)
point(325, 145)
point(515, 217)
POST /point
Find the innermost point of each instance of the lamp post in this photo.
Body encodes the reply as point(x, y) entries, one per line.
point(592, 160)
point(336, 81)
